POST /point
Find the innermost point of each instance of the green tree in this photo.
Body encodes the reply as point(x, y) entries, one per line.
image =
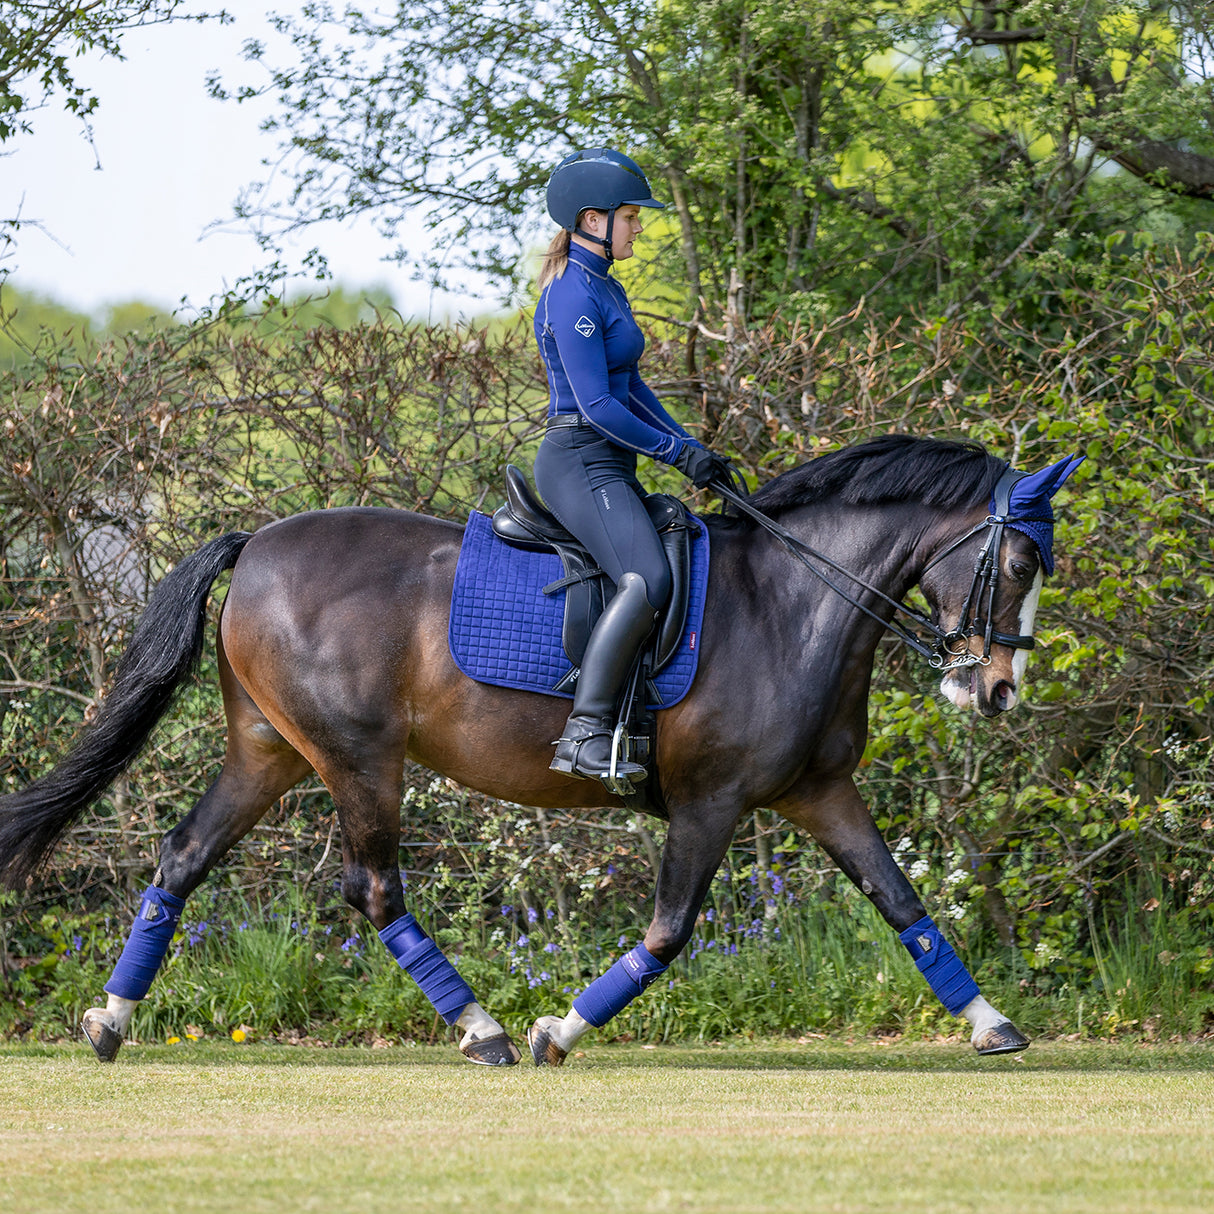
point(814, 152)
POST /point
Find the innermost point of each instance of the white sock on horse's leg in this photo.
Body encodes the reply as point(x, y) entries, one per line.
point(566, 1032)
point(981, 1016)
point(117, 1013)
point(477, 1024)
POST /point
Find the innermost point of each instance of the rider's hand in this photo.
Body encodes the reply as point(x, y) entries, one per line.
point(702, 466)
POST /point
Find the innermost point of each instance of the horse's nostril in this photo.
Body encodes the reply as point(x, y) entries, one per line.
point(1004, 692)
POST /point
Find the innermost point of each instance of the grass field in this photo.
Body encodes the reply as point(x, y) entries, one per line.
point(824, 1126)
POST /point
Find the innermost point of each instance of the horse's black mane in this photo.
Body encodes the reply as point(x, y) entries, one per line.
point(890, 468)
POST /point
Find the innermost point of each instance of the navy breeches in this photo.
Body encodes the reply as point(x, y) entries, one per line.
point(590, 484)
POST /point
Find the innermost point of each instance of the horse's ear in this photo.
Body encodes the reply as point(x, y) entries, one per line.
point(1030, 496)
point(1029, 508)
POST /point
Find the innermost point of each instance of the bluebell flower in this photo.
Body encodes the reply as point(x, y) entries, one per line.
point(532, 914)
point(523, 941)
point(552, 947)
point(621, 942)
point(507, 910)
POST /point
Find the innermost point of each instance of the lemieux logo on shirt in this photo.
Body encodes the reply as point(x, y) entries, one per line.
point(585, 326)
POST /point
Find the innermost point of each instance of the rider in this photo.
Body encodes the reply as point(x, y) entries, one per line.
point(601, 416)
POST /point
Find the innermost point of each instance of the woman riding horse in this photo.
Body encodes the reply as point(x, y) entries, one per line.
point(601, 415)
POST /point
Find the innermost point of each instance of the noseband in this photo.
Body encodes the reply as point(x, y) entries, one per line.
point(949, 648)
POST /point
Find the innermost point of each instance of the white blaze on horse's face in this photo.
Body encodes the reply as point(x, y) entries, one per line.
point(1003, 678)
point(1028, 614)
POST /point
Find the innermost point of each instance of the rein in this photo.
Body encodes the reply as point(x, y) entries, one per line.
point(943, 654)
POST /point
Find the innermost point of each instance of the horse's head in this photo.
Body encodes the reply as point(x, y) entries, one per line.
point(984, 588)
point(986, 676)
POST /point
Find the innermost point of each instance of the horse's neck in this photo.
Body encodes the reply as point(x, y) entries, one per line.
point(883, 546)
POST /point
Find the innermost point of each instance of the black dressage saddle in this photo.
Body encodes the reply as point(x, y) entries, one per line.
point(525, 522)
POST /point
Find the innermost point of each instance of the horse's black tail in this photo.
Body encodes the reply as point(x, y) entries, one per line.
point(163, 651)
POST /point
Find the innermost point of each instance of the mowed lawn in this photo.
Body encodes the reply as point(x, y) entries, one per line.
point(768, 1127)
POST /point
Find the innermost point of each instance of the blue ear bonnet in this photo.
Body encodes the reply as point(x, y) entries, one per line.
point(1028, 506)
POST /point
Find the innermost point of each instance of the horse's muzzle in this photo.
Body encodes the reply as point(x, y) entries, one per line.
point(980, 688)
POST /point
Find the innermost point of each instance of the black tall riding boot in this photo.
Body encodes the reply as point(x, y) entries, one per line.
point(585, 748)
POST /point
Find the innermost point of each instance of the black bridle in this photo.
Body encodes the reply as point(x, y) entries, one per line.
point(949, 649)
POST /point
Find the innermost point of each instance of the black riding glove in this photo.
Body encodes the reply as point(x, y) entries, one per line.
point(702, 466)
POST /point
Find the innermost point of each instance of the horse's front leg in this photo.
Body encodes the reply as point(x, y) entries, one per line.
point(695, 847)
point(837, 817)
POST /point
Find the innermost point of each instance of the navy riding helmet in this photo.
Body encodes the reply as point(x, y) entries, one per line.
point(597, 179)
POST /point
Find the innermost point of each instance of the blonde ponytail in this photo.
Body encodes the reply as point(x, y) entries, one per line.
point(555, 260)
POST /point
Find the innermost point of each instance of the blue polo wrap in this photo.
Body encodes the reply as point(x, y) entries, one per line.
point(150, 937)
point(613, 991)
point(936, 961)
point(424, 962)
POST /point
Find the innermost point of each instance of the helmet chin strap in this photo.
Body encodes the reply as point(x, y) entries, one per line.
point(605, 242)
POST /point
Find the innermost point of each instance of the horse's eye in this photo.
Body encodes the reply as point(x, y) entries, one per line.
point(1019, 570)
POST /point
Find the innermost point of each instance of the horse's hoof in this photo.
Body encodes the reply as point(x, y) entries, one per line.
point(1004, 1038)
point(498, 1050)
point(105, 1042)
point(544, 1050)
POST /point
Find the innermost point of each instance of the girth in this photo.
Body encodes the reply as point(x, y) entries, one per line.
point(525, 522)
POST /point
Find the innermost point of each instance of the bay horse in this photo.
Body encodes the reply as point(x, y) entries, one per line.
point(333, 658)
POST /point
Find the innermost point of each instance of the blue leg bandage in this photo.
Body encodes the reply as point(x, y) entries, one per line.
point(936, 961)
point(613, 991)
point(147, 944)
point(422, 960)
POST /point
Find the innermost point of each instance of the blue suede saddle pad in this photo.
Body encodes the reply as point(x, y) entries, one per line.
point(505, 630)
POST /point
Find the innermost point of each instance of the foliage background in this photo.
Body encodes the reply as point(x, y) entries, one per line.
point(981, 221)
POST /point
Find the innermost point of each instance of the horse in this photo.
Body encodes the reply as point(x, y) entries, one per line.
point(333, 658)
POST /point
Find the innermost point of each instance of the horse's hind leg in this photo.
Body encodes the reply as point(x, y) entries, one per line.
point(367, 796)
point(258, 768)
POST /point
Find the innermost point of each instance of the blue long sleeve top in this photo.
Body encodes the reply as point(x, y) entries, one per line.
point(590, 344)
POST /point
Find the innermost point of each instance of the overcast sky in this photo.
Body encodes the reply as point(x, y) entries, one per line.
point(127, 218)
